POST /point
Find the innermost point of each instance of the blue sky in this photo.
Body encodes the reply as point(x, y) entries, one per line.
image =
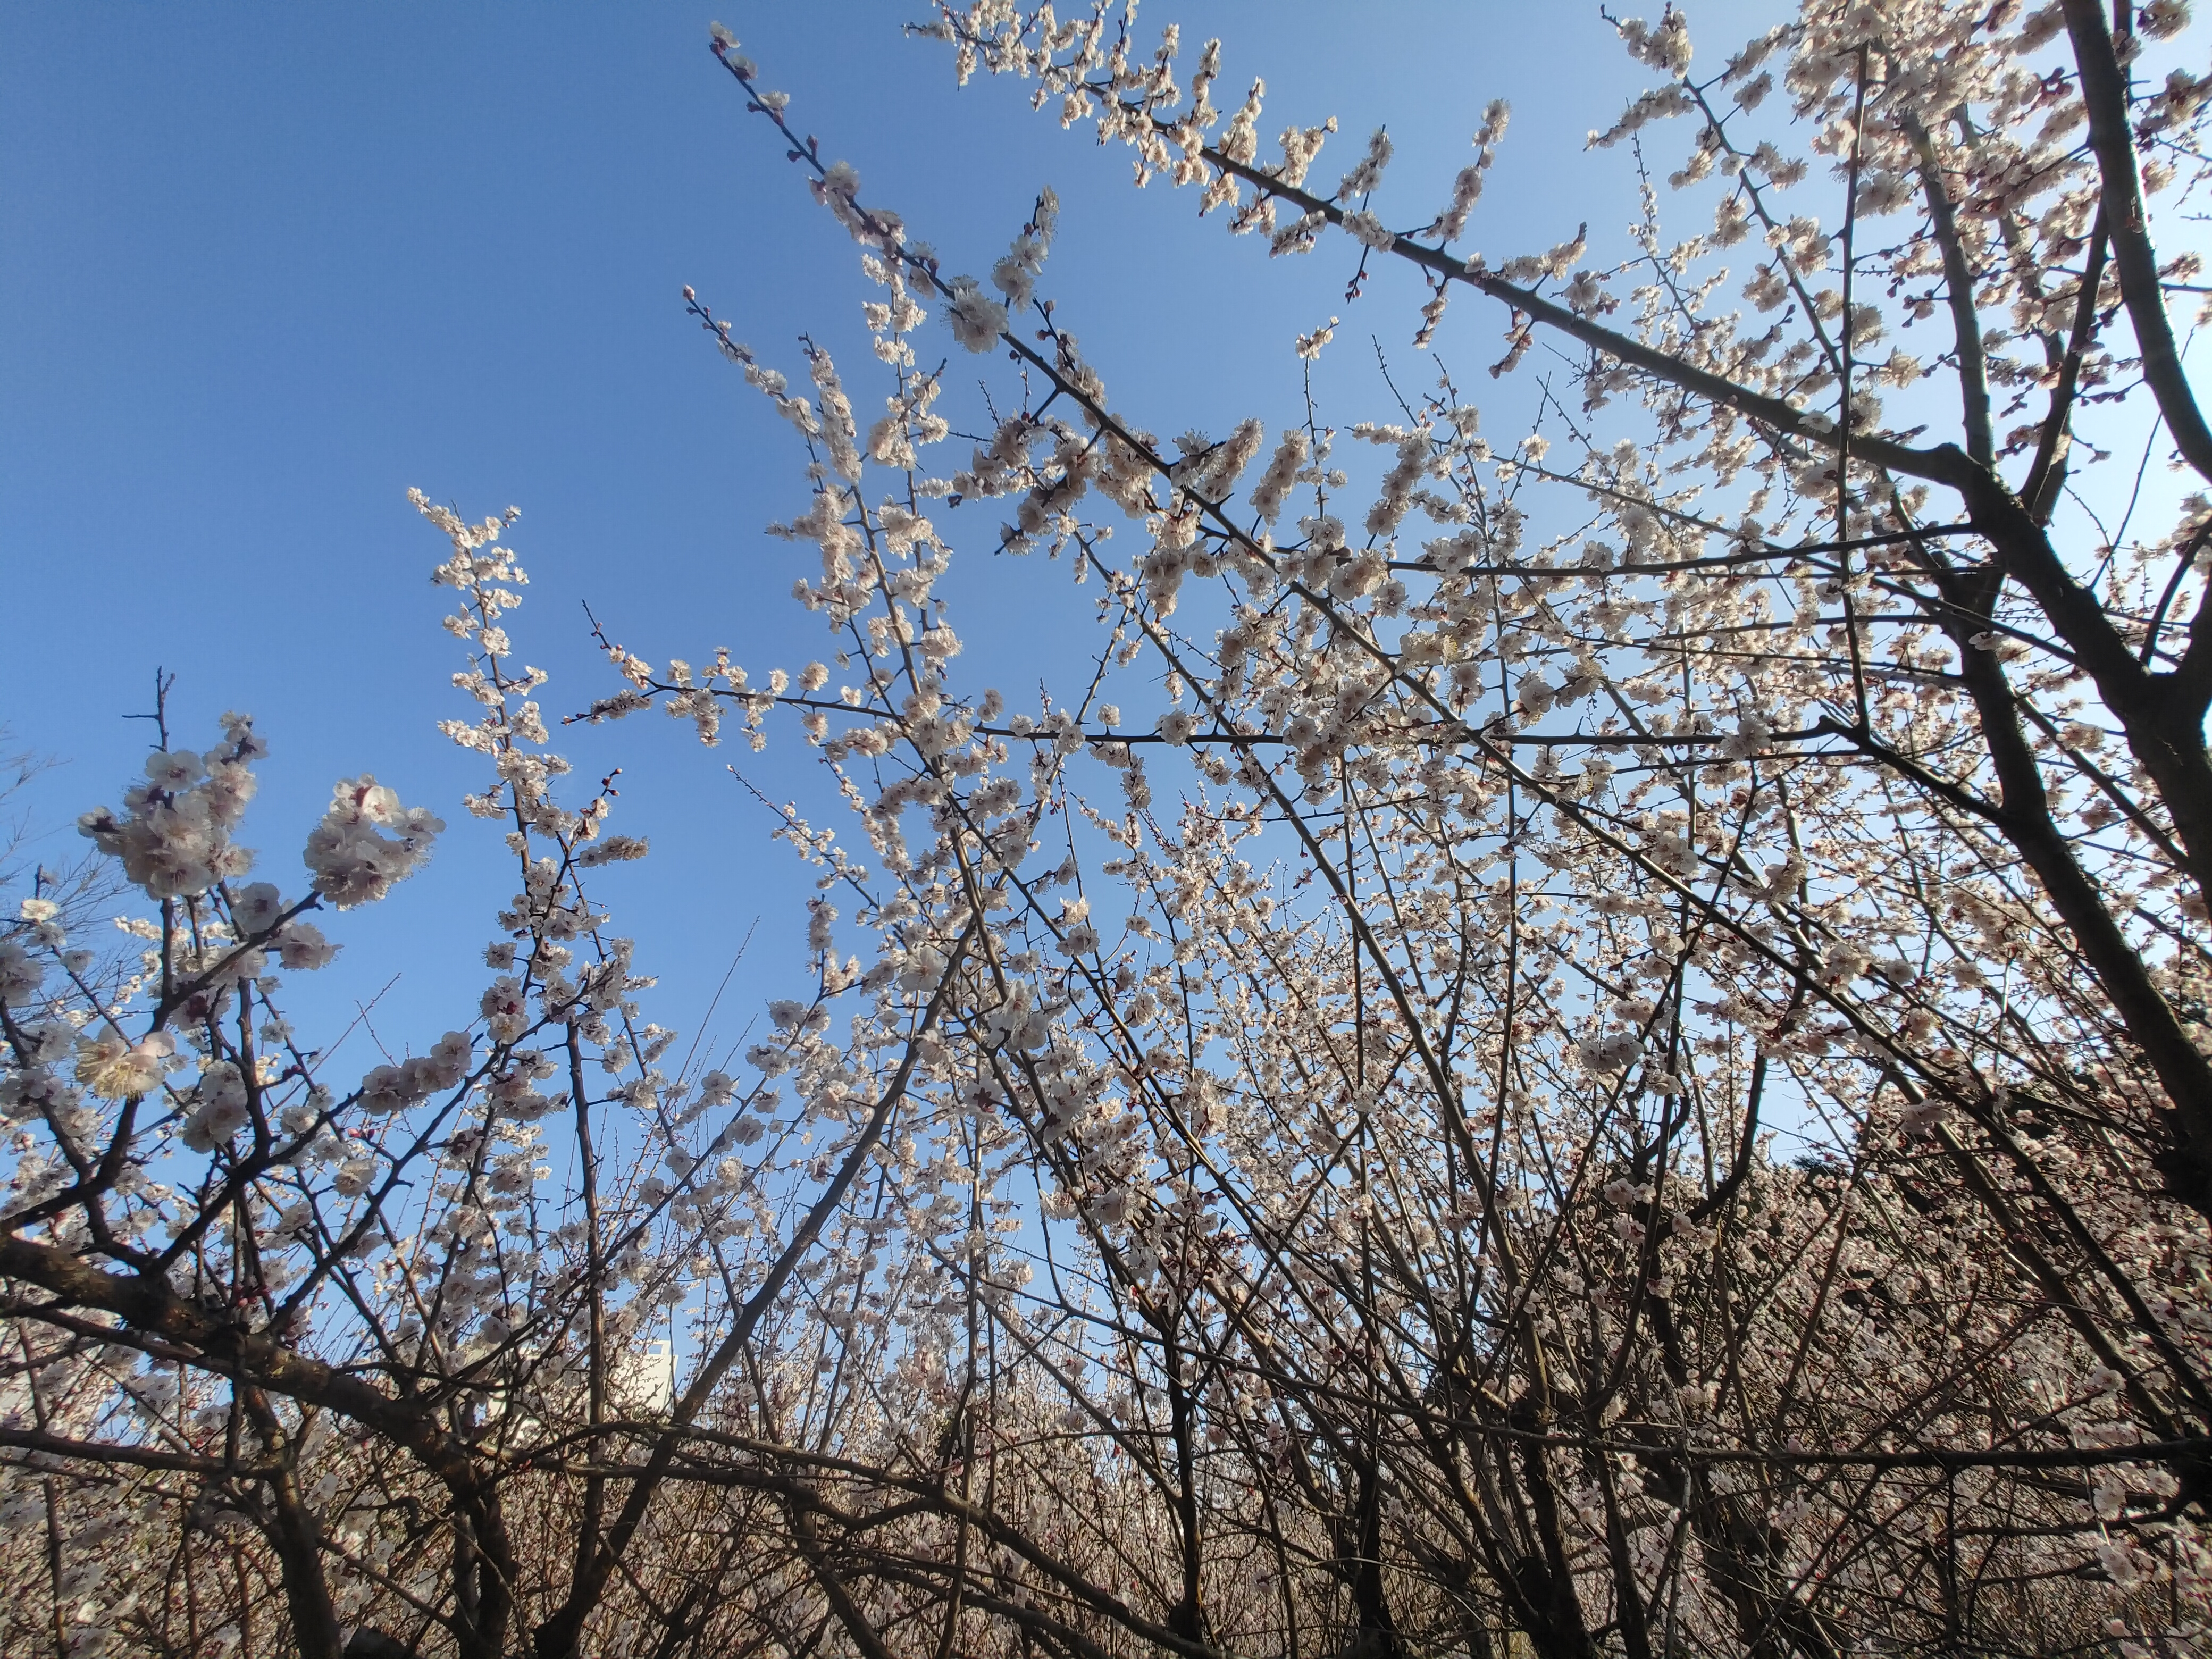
point(264, 268)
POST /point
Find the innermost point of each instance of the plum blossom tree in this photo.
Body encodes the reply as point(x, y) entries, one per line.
point(1298, 1173)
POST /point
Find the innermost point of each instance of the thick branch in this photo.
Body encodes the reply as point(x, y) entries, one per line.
point(2105, 94)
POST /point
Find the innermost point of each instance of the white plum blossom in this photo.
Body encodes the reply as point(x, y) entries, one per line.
point(352, 857)
point(1615, 1023)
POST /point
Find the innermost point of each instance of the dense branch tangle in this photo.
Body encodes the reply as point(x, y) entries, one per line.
point(1645, 1096)
point(1890, 815)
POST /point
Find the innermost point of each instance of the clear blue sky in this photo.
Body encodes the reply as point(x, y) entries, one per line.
point(263, 267)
